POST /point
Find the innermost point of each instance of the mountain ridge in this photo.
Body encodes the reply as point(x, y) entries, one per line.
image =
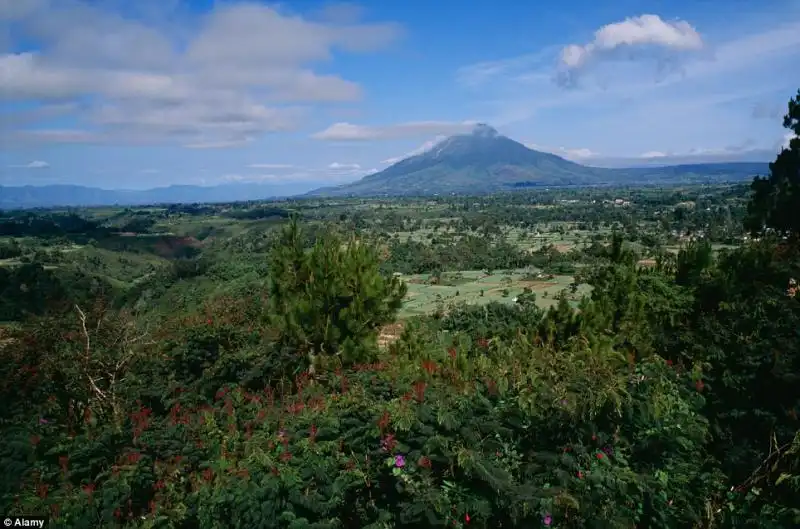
point(69, 195)
point(484, 161)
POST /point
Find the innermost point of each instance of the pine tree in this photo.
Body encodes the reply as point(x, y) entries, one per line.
point(330, 300)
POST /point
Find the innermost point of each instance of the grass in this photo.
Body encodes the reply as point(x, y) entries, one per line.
point(466, 286)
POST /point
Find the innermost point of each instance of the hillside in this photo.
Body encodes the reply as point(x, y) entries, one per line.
point(484, 161)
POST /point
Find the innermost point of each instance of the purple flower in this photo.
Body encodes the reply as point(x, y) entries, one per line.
point(564, 402)
point(547, 520)
point(608, 450)
point(399, 461)
point(43, 421)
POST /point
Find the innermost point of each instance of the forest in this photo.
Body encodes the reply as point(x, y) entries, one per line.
point(563, 358)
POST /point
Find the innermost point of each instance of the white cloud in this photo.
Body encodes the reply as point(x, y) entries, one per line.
point(652, 154)
point(692, 156)
point(350, 132)
point(741, 153)
point(337, 165)
point(425, 147)
point(270, 166)
point(644, 30)
point(621, 107)
point(574, 154)
point(212, 81)
point(35, 164)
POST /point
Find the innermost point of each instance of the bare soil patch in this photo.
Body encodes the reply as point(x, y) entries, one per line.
point(390, 333)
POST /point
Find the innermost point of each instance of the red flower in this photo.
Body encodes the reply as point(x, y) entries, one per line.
point(669, 362)
point(699, 385)
point(600, 455)
point(208, 321)
point(419, 390)
point(580, 475)
point(466, 518)
point(429, 366)
point(452, 352)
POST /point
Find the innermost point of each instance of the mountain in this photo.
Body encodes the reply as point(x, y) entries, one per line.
point(484, 161)
point(72, 195)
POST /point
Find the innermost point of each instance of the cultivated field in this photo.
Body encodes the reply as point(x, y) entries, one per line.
point(476, 287)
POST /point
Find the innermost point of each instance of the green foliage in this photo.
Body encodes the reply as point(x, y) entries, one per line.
point(330, 301)
point(776, 199)
point(261, 379)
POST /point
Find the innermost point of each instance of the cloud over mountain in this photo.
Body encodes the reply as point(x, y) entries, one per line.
point(350, 132)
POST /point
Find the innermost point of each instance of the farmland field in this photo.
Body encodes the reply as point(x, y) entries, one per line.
point(477, 288)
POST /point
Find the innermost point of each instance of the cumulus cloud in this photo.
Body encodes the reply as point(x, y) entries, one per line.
point(642, 32)
point(35, 164)
point(350, 132)
point(235, 73)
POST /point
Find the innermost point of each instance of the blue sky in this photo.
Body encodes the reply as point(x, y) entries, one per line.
point(119, 94)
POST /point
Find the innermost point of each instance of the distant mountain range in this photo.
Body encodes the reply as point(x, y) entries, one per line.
point(72, 195)
point(482, 161)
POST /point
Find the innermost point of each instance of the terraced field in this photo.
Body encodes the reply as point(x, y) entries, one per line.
point(476, 287)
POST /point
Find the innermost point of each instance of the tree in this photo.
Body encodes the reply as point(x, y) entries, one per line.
point(330, 301)
point(775, 200)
